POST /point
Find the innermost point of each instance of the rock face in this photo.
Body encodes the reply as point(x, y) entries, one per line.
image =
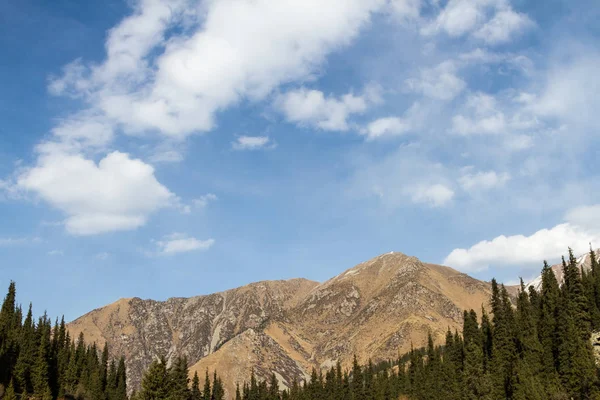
point(374, 310)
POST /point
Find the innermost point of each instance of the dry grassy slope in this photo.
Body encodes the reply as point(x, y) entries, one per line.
point(374, 310)
point(380, 307)
point(196, 327)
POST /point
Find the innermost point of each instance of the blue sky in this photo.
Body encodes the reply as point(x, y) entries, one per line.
point(161, 148)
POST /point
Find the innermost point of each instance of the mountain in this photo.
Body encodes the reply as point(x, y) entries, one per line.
point(583, 262)
point(375, 310)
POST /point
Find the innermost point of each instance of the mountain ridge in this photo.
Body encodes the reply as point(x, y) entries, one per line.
point(376, 309)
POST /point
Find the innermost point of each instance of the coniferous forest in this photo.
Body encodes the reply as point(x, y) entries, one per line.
point(536, 346)
point(38, 361)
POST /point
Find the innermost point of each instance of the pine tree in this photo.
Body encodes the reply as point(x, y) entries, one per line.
point(477, 383)
point(26, 358)
point(357, 383)
point(486, 339)
point(155, 383)
point(206, 393)
point(41, 387)
point(503, 358)
point(196, 394)
point(121, 391)
point(8, 322)
point(104, 368)
point(549, 299)
point(178, 380)
point(218, 392)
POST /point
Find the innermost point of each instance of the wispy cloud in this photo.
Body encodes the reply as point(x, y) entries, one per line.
point(181, 243)
point(18, 241)
point(253, 143)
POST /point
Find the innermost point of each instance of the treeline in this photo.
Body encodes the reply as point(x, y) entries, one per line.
point(172, 383)
point(38, 361)
point(536, 349)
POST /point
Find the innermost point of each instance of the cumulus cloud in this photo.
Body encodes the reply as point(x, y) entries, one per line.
point(483, 180)
point(118, 193)
point(581, 227)
point(523, 251)
point(252, 143)
point(491, 21)
point(231, 51)
point(503, 26)
point(440, 82)
point(56, 253)
point(313, 108)
point(181, 243)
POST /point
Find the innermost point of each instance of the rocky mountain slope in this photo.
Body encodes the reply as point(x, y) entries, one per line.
point(584, 262)
point(374, 310)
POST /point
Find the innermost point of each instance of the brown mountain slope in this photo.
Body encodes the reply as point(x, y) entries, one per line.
point(374, 310)
point(196, 327)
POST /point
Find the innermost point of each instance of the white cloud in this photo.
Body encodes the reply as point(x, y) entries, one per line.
point(252, 143)
point(389, 126)
point(394, 126)
point(311, 107)
point(581, 227)
point(181, 243)
point(156, 79)
point(118, 193)
point(481, 116)
point(491, 21)
point(523, 251)
point(406, 11)
point(436, 195)
point(483, 180)
point(503, 27)
point(203, 200)
point(458, 17)
point(56, 253)
point(518, 142)
point(440, 82)
point(230, 51)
